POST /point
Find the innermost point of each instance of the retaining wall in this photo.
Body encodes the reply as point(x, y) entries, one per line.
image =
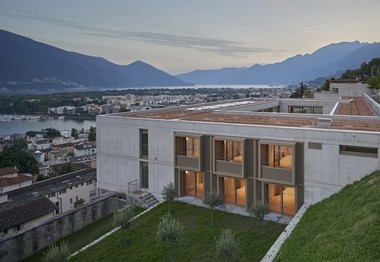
point(17, 246)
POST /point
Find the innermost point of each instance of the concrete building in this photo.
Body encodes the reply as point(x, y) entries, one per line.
point(284, 152)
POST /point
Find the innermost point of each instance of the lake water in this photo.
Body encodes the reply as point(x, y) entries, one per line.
point(23, 126)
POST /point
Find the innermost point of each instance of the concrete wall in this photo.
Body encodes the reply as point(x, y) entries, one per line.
point(326, 171)
point(375, 107)
point(350, 89)
point(327, 104)
point(15, 247)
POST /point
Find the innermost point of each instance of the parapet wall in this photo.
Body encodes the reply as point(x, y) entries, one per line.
point(20, 245)
point(375, 107)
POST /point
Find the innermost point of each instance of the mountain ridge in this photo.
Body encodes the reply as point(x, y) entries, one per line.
point(26, 63)
point(326, 61)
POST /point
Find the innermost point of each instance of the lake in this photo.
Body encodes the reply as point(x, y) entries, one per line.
point(23, 126)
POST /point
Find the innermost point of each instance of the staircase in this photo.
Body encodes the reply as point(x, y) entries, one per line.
point(148, 200)
point(139, 196)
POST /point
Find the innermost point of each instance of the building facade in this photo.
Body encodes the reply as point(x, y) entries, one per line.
point(283, 159)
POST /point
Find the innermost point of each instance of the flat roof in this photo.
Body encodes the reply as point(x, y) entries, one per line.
point(220, 115)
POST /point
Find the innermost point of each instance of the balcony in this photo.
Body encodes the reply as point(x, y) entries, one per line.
point(188, 152)
point(277, 163)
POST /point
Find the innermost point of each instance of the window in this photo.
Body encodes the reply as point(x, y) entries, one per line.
point(56, 208)
point(187, 146)
point(71, 200)
point(144, 171)
point(62, 191)
point(144, 143)
point(305, 109)
point(358, 151)
point(277, 156)
point(228, 151)
point(314, 145)
point(89, 182)
point(233, 190)
point(51, 195)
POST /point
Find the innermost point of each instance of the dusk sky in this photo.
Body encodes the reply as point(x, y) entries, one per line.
point(180, 36)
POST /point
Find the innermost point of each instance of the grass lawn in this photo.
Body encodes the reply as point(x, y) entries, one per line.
point(138, 243)
point(343, 227)
point(83, 236)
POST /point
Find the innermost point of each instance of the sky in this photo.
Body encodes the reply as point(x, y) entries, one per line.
point(179, 36)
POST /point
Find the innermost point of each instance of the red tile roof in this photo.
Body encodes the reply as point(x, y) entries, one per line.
point(7, 171)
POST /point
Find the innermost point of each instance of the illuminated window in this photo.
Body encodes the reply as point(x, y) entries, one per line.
point(228, 151)
point(277, 156)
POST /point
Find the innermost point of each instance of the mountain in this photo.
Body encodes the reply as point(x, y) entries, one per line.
point(208, 77)
point(27, 64)
point(327, 61)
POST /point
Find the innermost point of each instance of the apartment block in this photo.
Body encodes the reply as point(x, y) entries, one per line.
point(284, 152)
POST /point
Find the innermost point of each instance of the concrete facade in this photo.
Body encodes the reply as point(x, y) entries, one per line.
point(326, 170)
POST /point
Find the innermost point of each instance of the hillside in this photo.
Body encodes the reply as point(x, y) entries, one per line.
point(27, 64)
point(328, 61)
point(344, 227)
point(209, 77)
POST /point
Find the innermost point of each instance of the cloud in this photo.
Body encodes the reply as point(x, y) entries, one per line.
point(218, 46)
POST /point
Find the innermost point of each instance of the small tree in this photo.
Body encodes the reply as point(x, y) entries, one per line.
point(57, 253)
point(169, 232)
point(212, 200)
point(79, 202)
point(168, 193)
point(227, 248)
point(123, 217)
point(259, 211)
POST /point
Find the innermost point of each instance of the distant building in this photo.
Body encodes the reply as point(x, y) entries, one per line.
point(22, 208)
point(85, 149)
point(10, 179)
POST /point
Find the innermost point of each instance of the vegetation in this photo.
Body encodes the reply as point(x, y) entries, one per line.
point(66, 168)
point(92, 135)
point(51, 133)
point(79, 202)
point(343, 227)
point(213, 200)
point(168, 193)
point(299, 92)
point(169, 232)
point(123, 217)
point(365, 71)
point(259, 211)
point(16, 155)
point(227, 248)
point(83, 236)
point(57, 253)
point(197, 243)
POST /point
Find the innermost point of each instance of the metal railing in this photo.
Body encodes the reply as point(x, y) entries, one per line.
point(134, 188)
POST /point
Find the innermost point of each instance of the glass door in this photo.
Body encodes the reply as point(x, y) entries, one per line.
point(281, 199)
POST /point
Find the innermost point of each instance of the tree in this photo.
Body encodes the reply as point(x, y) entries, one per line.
point(67, 168)
point(259, 211)
point(169, 232)
point(227, 248)
point(57, 253)
point(79, 202)
point(92, 135)
point(16, 155)
point(168, 193)
point(51, 133)
point(374, 82)
point(299, 92)
point(213, 200)
point(74, 133)
point(123, 217)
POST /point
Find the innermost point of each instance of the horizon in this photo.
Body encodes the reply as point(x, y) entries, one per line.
point(180, 38)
